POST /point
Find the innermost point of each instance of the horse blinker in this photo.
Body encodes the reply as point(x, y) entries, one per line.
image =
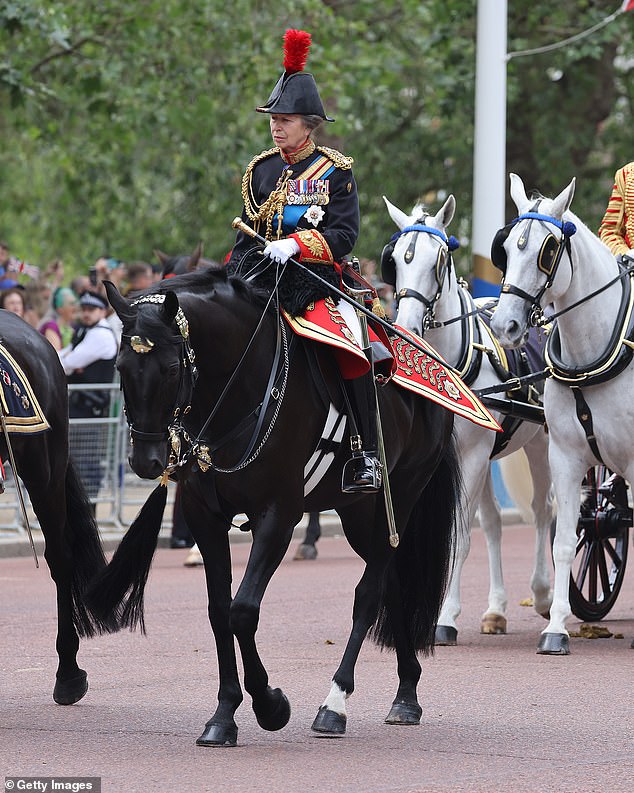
point(388, 265)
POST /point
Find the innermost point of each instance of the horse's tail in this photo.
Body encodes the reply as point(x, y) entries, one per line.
point(419, 571)
point(87, 555)
point(117, 591)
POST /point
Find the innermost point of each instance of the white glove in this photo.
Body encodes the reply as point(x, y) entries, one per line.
point(281, 250)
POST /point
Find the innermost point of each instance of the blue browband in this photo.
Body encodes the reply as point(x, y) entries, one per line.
point(451, 242)
point(567, 228)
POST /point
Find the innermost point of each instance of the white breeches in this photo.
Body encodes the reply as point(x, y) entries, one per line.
point(349, 313)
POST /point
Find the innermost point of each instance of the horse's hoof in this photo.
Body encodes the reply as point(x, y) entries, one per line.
point(493, 624)
point(446, 636)
point(305, 551)
point(554, 644)
point(272, 711)
point(404, 713)
point(327, 722)
point(67, 692)
point(218, 735)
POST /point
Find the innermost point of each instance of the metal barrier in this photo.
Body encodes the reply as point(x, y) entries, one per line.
point(99, 448)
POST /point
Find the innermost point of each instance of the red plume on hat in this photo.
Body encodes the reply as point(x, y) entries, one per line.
point(296, 46)
point(296, 91)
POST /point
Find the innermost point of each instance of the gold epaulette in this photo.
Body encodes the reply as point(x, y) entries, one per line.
point(339, 159)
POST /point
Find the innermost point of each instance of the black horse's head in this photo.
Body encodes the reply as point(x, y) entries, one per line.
point(156, 365)
point(182, 263)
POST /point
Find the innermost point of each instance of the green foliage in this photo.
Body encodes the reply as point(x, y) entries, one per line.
point(127, 127)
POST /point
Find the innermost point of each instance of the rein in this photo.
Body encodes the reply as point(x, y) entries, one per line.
point(275, 390)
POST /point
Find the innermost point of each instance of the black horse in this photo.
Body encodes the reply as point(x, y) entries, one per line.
point(182, 262)
point(253, 411)
point(73, 549)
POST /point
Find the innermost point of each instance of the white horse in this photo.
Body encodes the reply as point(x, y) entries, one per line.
point(588, 401)
point(430, 300)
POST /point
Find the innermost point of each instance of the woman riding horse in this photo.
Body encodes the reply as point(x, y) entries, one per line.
point(303, 199)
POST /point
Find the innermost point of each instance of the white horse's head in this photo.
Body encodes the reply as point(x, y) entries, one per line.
point(533, 253)
point(415, 262)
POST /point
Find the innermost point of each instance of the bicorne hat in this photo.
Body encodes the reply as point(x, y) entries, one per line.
point(296, 90)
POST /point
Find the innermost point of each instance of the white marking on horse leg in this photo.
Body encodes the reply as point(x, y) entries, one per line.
point(336, 700)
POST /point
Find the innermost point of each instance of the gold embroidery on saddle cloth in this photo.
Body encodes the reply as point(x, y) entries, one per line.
point(36, 422)
point(411, 360)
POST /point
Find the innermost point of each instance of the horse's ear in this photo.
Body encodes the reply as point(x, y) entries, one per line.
point(169, 307)
point(563, 201)
point(445, 214)
point(518, 192)
point(119, 303)
point(397, 215)
point(162, 257)
point(195, 257)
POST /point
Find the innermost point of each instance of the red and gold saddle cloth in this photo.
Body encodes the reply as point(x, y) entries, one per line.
point(408, 367)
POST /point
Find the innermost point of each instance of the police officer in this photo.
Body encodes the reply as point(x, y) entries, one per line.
point(90, 358)
point(303, 199)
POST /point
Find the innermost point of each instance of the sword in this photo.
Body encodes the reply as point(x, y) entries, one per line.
point(387, 493)
point(238, 223)
point(3, 422)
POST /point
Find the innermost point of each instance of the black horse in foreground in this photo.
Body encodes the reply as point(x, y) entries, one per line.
point(73, 549)
point(252, 410)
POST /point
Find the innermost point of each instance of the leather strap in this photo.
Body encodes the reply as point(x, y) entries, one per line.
point(585, 419)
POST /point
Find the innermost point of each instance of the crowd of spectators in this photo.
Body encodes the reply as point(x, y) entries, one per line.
point(49, 302)
point(75, 317)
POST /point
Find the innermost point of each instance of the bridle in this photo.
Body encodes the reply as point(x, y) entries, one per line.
point(548, 258)
point(188, 371)
point(183, 447)
point(442, 268)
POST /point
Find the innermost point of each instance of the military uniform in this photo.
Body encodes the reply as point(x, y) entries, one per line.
point(303, 200)
point(617, 226)
point(310, 196)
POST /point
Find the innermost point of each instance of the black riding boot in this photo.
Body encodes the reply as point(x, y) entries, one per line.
point(362, 474)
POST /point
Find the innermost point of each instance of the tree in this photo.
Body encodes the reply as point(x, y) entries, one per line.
point(128, 127)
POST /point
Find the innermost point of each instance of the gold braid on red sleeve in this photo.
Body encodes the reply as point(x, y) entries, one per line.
point(313, 247)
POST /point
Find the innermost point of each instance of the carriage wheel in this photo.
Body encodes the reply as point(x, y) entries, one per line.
point(602, 542)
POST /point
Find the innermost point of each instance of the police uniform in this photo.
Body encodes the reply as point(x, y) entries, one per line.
point(89, 358)
point(307, 199)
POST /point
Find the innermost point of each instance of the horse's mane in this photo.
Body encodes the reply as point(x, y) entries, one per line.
point(205, 282)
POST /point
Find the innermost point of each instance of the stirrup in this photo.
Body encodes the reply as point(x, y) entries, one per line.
point(361, 474)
